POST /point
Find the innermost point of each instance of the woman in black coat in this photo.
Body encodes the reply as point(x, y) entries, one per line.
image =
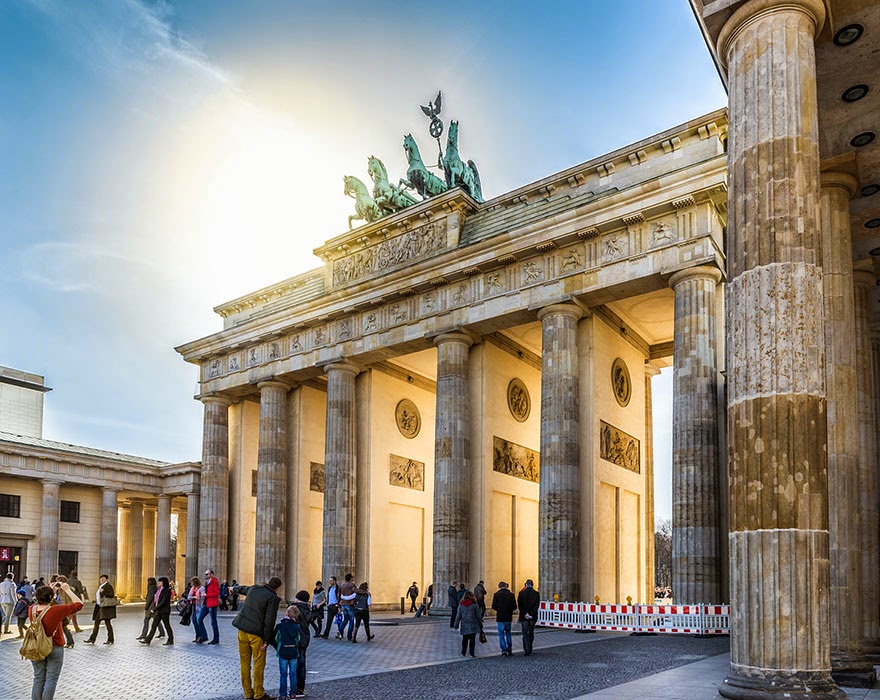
point(151, 591)
point(160, 607)
point(103, 613)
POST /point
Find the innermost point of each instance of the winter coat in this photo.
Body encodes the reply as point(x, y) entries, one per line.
point(108, 612)
point(452, 596)
point(8, 591)
point(528, 601)
point(164, 604)
point(287, 639)
point(258, 612)
point(362, 600)
point(151, 593)
point(468, 619)
point(504, 604)
point(305, 617)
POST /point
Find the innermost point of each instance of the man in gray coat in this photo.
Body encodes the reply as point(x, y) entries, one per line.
point(255, 623)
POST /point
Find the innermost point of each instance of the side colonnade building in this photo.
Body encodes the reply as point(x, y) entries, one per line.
point(463, 390)
point(70, 508)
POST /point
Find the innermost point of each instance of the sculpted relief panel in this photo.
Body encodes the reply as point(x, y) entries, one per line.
point(618, 447)
point(316, 477)
point(407, 473)
point(391, 252)
point(516, 460)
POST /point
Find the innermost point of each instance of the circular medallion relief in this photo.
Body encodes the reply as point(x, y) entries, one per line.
point(620, 382)
point(518, 400)
point(409, 421)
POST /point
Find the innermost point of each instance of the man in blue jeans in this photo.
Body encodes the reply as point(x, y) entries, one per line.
point(347, 593)
point(212, 602)
point(504, 605)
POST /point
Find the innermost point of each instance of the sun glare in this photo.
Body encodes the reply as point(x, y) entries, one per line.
point(253, 196)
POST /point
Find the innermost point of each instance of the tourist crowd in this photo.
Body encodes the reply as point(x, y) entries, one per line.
point(45, 613)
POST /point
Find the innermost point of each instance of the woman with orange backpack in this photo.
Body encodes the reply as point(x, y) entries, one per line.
point(45, 627)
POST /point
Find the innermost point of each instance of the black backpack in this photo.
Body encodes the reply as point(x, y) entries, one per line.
point(305, 617)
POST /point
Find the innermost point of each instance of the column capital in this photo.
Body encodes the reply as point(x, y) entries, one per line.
point(164, 497)
point(221, 400)
point(699, 272)
point(573, 310)
point(273, 384)
point(454, 337)
point(342, 367)
point(110, 489)
point(753, 9)
point(52, 482)
point(864, 278)
point(651, 370)
point(844, 181)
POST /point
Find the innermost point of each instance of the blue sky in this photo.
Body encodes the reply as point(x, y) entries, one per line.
point(161, 158)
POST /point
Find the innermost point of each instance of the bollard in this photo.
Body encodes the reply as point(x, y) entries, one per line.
point(403, 605)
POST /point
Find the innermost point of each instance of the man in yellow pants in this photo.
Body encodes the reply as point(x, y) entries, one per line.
point(255, 622)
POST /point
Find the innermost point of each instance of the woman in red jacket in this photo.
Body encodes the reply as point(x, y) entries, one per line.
point(47, 671)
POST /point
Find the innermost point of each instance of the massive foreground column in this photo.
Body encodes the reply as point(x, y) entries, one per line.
point(870, 546)
point(163, 536)
point(559, 509)
point(696, 564)
point(452, 466)
point(843, 430)
point(779, 575)
point(213, 530)
point(50, 515)
point(109, 533)
point(340, 472)
point(271, 483)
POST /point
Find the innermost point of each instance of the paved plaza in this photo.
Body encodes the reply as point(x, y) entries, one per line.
point(417, 660)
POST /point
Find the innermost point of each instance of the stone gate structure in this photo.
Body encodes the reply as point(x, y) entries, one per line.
point(462, 391)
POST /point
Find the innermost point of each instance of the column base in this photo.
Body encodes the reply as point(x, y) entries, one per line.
point(871, 648)
point(852, 671)
point(797, 686)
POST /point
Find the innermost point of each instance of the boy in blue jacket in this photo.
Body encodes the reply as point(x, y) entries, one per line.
point(287, 638)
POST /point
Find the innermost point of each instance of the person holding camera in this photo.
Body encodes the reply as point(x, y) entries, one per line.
point(48, 669)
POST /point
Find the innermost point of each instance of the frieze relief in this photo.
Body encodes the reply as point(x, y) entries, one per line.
point(618, 447)
point(407, 473)
point(419, 242)
point(516, 460)
point(513, 274)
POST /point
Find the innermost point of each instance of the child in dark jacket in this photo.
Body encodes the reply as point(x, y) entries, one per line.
point(287, 638)
point(20, 611)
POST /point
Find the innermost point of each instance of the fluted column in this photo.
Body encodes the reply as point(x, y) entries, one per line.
point(213, 530)
point(109, 533)
point(340, 472)
point(776, 349)
point(452, 465)
point(559, 507)
point(163, 536)
point(50, 515)
point(193, 511)
point(696, 564)
point(135, 548)
point(270, 546)
point(650, 372)
point(843, 427)
point(868, 496)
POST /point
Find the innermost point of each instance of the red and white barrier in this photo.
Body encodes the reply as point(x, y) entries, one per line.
point(564, 615)
point(660, 619)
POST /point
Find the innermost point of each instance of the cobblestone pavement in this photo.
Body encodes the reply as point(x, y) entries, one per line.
point(414, 659)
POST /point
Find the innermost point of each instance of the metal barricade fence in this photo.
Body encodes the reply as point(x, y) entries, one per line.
point(658, 619)
point(611, 618)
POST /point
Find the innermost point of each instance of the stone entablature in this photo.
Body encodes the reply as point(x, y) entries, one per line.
point(401, 291)
point(151, 478)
